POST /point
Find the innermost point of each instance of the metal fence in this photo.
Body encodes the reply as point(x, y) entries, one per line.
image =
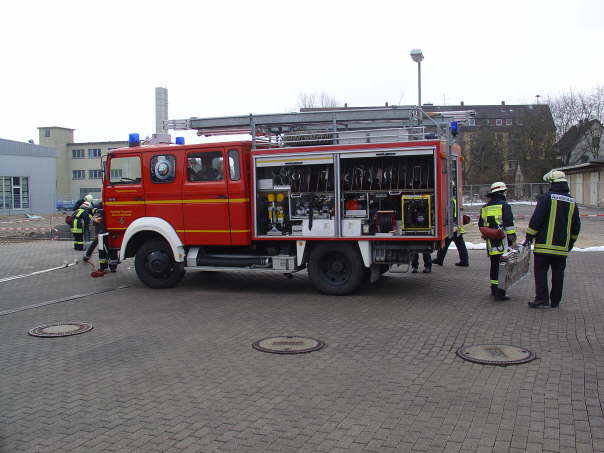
point(476, 193)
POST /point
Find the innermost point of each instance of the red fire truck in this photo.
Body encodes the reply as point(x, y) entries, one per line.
point(345, 194)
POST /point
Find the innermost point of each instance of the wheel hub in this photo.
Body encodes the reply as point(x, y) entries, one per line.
point(158, 263)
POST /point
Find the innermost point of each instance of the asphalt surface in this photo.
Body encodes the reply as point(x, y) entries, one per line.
point(174, 370)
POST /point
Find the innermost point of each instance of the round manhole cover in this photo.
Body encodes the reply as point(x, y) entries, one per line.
point(60, 329)
point(288, 345)
point(496, 354)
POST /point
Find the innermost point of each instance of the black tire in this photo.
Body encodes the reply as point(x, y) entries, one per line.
point(155, 265)
point(336, 269)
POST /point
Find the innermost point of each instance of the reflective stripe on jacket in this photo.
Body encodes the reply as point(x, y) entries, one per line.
point(497, 213)
point(80, 219)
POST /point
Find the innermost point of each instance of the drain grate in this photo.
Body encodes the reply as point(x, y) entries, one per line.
point(496, 354)
point(288, 345)
point(60, 329)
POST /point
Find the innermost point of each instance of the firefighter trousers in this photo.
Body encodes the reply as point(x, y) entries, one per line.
point(461, 249)
point(541, 267)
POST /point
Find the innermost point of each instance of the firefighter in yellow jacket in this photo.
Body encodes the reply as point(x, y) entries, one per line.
point(497, 213)
point(79, 222)
point(554, 226)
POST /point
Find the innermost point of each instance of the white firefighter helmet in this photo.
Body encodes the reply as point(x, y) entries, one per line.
point(88, 198)
point(498, 187)
point(554, 176)
point(85, 205)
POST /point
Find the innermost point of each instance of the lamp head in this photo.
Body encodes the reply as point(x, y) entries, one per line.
point(417, 55)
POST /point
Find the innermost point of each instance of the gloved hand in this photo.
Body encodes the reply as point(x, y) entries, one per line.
point(528, 240)
point(512, 239)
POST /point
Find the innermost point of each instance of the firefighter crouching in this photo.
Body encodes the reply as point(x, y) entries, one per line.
point(554, 226)
point(79, 222)
point(98, 221)
point(500, 234)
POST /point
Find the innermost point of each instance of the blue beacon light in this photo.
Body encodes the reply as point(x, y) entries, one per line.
point(180, 140)
point(134, 139)
point(454, 128)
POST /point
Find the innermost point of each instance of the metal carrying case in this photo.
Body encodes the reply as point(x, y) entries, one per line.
point(514, 266)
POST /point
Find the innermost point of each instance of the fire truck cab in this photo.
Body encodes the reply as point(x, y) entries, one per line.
point(345, 194)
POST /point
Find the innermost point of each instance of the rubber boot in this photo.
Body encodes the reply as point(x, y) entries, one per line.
point(498, 294)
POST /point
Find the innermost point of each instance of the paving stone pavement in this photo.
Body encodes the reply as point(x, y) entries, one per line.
point(174, 371)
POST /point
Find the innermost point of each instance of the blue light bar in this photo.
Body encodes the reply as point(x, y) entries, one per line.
point(180, 140)
point(454, 128)
point(134, 139)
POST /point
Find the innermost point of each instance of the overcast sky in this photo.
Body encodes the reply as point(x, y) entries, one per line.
point(93, 66)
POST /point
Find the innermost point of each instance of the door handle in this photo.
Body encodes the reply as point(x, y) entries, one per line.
point(221, 196)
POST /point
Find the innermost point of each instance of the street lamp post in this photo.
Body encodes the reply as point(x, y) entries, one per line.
point(418, 56)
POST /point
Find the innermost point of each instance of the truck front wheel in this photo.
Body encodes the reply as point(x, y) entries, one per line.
point(155, 265)
point(335, 269)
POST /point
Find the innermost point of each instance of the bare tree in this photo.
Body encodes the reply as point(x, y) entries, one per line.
point(313, 100)
point(572, 107)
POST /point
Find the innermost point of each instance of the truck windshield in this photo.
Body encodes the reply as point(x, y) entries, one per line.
point(125, 170)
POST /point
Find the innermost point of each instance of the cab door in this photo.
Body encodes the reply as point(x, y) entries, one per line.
point(163, 187)
point(123, 191)
point(239, 199)
point(205, 198)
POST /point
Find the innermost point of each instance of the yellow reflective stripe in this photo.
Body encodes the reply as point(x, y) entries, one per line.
point(120, 203)
point(550, 252)
point(551, 222)
point(568, 223)
point(510, 231)
point(461, 230)
point(206, 200)
point(494, 282)
point(532, 232)
point(239, 200)
point(550, 246)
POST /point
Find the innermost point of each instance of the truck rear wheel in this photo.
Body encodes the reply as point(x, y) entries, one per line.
point(336, 269)
point(155, 265)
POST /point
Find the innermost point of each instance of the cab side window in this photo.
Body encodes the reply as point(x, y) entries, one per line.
point(205, 166)
point(163, 168)
point(234, 169)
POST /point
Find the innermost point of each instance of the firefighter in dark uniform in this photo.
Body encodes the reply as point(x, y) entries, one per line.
point(99, 229)
point(554, 226)
point(464, 260)
point(79, 222)
point(497, 213)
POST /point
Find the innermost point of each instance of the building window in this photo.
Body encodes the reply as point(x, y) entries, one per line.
point(498, 122)
point(46, 132)
point(78, 174)
point(508, 122)
point(471, 122)
point(14, 192)
point(94, 153)
point(116, 173)
point(77, 154)
point(95, 174)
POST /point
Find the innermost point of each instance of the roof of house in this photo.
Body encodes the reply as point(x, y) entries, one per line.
point(569, 141)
